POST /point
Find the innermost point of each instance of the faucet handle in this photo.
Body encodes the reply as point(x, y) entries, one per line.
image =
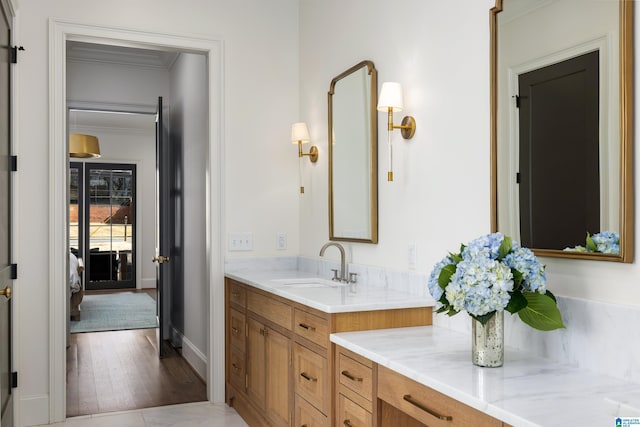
point(335, 277)
point(353, 277)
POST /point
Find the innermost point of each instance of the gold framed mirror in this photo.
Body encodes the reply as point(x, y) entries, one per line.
point(552, 189)
point(353, 160)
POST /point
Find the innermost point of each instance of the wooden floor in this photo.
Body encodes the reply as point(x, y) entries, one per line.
point(120, 370)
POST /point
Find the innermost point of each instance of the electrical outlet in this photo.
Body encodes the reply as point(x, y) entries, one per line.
point(240, 241)
point(281, 241)
point(412, 255)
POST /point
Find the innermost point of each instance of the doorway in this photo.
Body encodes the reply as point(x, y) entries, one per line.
point(559, 145)
point(212, 356)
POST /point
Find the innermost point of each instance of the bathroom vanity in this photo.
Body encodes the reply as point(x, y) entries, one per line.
point(426, 373)
point(280, 362)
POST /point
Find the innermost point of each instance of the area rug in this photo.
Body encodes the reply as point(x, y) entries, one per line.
point(113, 312)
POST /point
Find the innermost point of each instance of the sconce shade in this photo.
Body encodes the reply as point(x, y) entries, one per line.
point(390, 97)
point(83, 146)
point(299, 132)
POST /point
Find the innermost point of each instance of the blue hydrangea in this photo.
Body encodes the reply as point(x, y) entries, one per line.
point(483, 280)
point(533, 275)
point(488, 244)
point(480, 284)
point(607, 242)
point(434, 287)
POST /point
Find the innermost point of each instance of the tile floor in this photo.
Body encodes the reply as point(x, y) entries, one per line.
point(201, 414)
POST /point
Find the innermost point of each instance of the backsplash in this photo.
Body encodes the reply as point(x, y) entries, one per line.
point(600, 337)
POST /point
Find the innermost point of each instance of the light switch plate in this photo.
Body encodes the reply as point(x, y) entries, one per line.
point(412, 255)
point(281, 241)
point(240, 241)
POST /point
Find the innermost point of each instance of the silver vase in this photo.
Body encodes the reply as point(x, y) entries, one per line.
point(487, 341)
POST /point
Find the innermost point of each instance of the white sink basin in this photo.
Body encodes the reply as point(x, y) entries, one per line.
point(308, 282)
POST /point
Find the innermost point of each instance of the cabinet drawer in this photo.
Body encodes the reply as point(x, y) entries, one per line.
point(311, 377)
point(427, 405)
point(237, 293)
point(237, 369)
point(352, 415)
point(356, 376)
point(237, 326)
point(308, 416)
point(311, 327)
point(275, 311)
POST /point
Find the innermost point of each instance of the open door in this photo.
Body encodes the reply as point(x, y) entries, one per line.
point(6, 276)
point(163, 244)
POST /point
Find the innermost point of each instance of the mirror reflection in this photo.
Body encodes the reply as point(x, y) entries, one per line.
point(561, 126)
point(353, 155)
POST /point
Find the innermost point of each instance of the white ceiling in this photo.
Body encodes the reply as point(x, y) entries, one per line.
point(102, 53)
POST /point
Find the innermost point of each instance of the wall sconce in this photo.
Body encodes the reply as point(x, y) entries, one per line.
point(83, 146)
point(390, 100)
point(300, 135)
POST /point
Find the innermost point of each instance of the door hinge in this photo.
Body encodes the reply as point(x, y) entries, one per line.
point(14, 54)
point(517, 177)
point(14, 379)
point(13, 167)
point(246, 330)
point(14, 271)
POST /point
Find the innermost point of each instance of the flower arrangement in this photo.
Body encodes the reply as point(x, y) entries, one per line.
point(492, 274)
point(605, 242)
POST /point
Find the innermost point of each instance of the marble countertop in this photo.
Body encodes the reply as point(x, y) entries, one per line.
point(527, 391)
point(332, 297)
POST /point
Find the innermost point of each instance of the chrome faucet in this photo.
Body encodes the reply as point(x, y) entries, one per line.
point(344, 277)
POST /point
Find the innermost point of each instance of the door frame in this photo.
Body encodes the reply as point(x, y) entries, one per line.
point(60, 31)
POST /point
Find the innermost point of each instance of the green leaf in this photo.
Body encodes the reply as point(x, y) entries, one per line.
point(455, 257)
point(552, 296)
point(517, 302)
point(445, 275)
point(541, 312)
point(590, 244)
point(505, 247)
point(484, 318)
point(517, 278)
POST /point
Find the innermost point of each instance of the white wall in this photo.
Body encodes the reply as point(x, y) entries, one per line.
point(439, 51)
point(189, 112)
point(260, 88)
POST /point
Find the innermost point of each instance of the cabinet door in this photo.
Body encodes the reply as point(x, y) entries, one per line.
point(278, 360)
point(256, 362)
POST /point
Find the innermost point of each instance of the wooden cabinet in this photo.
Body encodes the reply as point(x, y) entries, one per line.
point(280, 364)
point(424, 404)
point(355, 386)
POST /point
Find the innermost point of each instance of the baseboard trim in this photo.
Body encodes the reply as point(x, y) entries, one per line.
point(33, 410)
point(192, 354)
point(148, 283)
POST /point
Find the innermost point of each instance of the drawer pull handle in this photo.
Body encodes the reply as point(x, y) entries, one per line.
point(235, 294)
point(235, 367)
point(307, 327)
point(308, 378)
point(419, 405)
point(264, 332)
point(347, 423)
point(235, 331)
point(351, 377)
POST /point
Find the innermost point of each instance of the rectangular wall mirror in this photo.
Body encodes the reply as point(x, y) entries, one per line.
point(562, 126)
point(353, 161)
